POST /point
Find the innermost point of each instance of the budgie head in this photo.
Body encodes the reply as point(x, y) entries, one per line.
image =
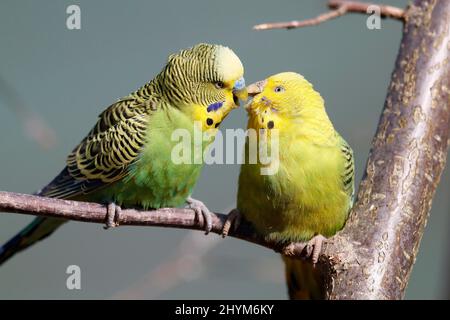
point(285, 101)
point(205, 81)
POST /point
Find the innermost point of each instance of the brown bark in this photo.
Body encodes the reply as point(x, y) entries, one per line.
point(373, 256)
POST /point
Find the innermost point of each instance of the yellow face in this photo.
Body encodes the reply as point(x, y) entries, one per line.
point(221, 94)
point(282, 101)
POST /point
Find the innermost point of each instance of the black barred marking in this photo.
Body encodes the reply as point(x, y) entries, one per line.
point(348, 174)
point(114, 143)
point(348, 181)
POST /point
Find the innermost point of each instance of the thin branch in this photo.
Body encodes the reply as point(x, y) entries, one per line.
point(96, 213)
point(340, 7)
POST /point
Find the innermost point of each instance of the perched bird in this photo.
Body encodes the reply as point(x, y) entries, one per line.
point(126, 159)
point(311, 193)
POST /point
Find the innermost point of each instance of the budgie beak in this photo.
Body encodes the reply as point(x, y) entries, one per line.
point(256, 88)
point(253, 90)
point(239, 91)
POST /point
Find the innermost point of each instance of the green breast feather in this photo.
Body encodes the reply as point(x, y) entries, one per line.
point(154, 180)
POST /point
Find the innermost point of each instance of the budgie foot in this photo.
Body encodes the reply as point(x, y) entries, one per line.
point(202, 213)
point(314, 247)
point(311, 249)
point(233, 219)
point(112, 216)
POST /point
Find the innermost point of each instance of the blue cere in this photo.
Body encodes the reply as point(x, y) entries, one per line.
point(239, 84)
point(215, 106)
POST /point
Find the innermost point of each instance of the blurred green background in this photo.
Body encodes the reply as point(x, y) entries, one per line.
point(69, 77)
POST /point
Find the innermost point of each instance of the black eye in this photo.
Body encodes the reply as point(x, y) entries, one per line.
point(279, 89)
point(219, 84)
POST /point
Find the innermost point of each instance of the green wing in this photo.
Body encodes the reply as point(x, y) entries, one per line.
point(348, 176)
point(104, 156)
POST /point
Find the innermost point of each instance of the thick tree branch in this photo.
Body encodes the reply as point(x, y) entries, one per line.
point(373, 256)
point(340, 7)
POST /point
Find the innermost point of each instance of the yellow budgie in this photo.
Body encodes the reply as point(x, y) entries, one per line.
point(311, 193)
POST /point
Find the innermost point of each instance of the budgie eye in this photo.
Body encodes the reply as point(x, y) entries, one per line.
point(219, 85)
point(279, 89)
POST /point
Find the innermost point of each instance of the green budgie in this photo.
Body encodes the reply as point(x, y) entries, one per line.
point(126, 159)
